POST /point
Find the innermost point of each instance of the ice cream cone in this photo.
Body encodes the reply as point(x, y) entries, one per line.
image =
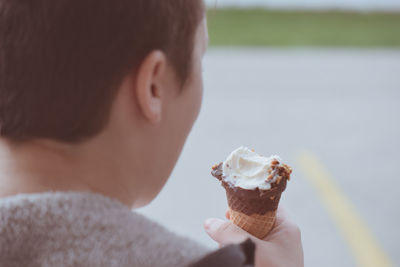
point(254, 208)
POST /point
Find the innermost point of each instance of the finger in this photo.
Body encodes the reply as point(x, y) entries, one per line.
point(280, 220)
point(224, 232)
point(283, 222)
point(281, 216)
point(227, 214)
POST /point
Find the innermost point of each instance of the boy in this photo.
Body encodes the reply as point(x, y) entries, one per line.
point(97, 98)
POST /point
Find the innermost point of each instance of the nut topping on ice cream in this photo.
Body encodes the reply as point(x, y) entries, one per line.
point(246, 169)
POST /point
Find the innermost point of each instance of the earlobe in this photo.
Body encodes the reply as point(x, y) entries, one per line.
point(149, 86)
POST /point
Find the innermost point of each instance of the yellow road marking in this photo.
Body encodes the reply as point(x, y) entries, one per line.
point(356, 233)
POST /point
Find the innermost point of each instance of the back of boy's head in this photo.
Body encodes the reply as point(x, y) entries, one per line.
point(62, 61)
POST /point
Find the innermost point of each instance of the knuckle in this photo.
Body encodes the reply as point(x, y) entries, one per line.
point(295, 231)
point(292, 231)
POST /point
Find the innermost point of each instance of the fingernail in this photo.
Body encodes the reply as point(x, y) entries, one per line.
point(208, 223)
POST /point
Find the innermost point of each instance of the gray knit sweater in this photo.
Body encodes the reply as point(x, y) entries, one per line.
point(82, 229)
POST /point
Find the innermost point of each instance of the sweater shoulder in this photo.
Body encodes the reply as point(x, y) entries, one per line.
point(88, 229)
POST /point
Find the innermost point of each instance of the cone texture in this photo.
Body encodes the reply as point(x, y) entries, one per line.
point(257, 225)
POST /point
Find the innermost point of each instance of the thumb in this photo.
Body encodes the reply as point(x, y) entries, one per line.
point(224, 232)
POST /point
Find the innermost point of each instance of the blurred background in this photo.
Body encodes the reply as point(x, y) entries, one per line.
point(318, 83)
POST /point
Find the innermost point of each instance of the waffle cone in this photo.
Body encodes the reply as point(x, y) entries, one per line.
point(258, 225)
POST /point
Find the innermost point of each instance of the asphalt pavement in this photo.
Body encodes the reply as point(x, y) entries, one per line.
point(340, 105)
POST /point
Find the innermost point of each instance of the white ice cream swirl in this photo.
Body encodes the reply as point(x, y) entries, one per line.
point(246, 169)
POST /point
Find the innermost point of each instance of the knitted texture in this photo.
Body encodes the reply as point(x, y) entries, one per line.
point(85, 229)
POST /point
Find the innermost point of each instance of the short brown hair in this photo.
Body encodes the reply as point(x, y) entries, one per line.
point(61, 61)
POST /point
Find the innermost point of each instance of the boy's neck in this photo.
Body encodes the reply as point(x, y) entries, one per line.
point(43, 166)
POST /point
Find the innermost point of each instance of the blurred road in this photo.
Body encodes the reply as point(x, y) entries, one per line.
point(343, 106)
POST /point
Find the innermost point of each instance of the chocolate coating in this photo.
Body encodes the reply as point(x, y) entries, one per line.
point(254, 201)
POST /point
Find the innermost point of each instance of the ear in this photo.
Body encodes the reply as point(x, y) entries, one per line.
point(149, 86)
